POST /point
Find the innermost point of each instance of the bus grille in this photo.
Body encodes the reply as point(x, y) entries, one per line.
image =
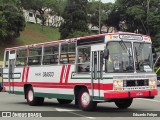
point(132, 83)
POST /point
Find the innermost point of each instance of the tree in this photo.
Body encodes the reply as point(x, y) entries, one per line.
point(56, 10)
point(11, 20)
point(137, 16)
point(40, 6)
point(44, 8)
point(96, 9)
point(75, 18)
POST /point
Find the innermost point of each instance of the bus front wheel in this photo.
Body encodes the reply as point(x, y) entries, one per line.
point(123, 103)
point(31, 99)
point(84, 100)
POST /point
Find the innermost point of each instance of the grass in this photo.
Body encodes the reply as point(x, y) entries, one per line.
point(31, 35)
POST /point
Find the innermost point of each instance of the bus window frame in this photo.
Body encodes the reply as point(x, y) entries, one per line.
point(4, 64)
point(43, 54)
point(66, 53)
point(21, 57)
point(35, 56)
point(77, 59)
point(131, 52)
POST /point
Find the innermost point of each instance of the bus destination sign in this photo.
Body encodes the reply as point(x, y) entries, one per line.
point(131, 37)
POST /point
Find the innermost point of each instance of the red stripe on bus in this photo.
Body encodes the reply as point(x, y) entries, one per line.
point(67, 74)
point(27, 74)
point(54, 86)
point(23, 74)
point(108, 86)
point(62, 72)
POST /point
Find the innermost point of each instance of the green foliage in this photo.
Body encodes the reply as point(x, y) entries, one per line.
point(156, 41)
point(11, 20)
point(138, 15)
point(75, 18)
point(77, 34)
point(55, 7)
point(33, 35)
point(96, 8)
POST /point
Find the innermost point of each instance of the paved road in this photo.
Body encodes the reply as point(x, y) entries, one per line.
point(10, 102)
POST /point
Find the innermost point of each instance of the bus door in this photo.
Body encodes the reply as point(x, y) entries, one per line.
point(96, 71)
point(11, 66)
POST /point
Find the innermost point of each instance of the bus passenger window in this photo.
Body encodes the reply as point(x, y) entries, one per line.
point(6, 58)
point(68, 53)
point(83, 63)
point(21, 59)
point(35, 56)
point(51, 55)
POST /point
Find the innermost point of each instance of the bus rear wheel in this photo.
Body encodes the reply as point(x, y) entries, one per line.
point(85, 102)
point(123, 103)
point(64, 101)
point(31, 99)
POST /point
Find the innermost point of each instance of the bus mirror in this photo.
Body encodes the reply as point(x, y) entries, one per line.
point(106, 54)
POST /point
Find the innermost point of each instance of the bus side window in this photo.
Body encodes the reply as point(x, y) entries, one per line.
point(21, 59)
point(51, 55)
point(67, 53)
point(35, 56)
point(83, 60)
point(6, 58)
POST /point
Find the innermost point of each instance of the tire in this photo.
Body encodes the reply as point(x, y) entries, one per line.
point(84, 101)
point(31, 99)
point(124, 103)
point(64, 101)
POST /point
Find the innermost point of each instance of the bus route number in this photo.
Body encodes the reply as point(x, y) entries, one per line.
point(48, 74)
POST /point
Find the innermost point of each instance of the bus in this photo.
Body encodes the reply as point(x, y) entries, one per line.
point(111, 67)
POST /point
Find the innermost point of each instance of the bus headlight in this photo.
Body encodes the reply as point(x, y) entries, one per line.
point(152, 82)
point(118, 83)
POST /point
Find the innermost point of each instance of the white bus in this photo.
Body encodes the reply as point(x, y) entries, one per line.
point(113, 67)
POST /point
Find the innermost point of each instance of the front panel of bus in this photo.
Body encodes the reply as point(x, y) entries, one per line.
point(129, 68)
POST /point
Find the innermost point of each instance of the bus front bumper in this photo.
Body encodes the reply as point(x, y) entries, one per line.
point(130, 94)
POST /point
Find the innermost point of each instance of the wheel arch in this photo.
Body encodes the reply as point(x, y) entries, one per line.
point(25, 89)
point(77, 89)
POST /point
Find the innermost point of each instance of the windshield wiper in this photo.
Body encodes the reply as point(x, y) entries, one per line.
point(124, 47)
point(140, 48)
point(137, 65)
point(138, 53)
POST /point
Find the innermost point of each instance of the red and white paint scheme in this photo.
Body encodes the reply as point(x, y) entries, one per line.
point(113, 67)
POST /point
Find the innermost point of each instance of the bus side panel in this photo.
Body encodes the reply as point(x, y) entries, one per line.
point(51, 81)
point(5, 79)
point(16, 83)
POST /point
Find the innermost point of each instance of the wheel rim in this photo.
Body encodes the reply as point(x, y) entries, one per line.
point(30, 95)
point(85, 99)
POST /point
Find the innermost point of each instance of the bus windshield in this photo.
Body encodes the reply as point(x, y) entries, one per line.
point(143, 57)
point(120, 57)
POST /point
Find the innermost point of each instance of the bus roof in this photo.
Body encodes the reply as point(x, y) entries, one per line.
point(75, 39)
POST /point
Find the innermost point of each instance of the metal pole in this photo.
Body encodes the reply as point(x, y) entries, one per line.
point(99, 16)
point(148, 7)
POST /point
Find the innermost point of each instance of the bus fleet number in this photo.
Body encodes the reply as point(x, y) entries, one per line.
point(48, 74)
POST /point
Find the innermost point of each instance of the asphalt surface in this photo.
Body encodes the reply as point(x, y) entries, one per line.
point(144, 107)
